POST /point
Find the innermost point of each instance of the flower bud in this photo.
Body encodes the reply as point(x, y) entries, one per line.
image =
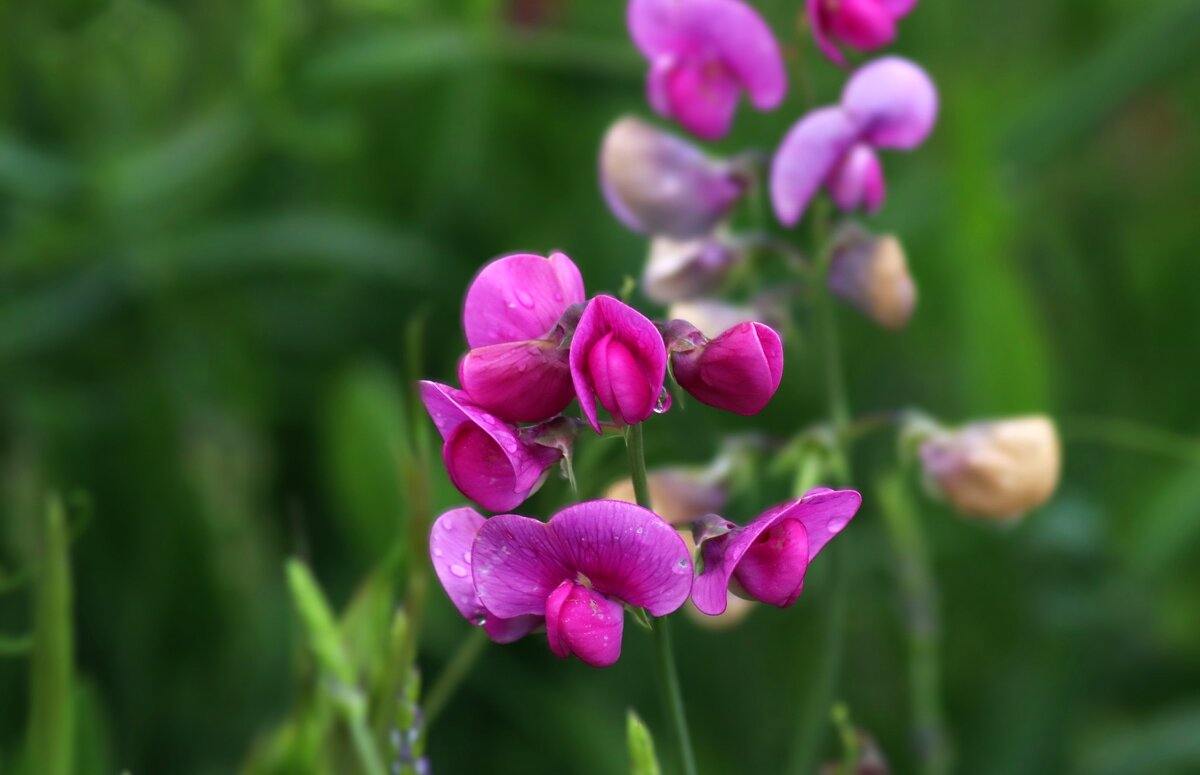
point(998, 469)
point(683, 269)
point(871, 273)
point(713, 317)
point(656, 183)
point(618, 358)
point(739, 371)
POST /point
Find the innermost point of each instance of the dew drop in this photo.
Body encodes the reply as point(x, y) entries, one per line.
point(467, 556)
point(525, 299)
point(663, 403)
point(458, 570)
point(437, 552)
point(447, 523)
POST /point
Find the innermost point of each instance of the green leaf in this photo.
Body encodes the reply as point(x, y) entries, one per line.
point(319, 624)
point(51, 733)
point(642, 760)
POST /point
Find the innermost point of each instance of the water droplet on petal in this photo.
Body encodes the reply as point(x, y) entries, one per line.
point(447, 523)
point(525, 299)
point(467, 557)
point(663, 403)
point(437, 552)
point(458, 570)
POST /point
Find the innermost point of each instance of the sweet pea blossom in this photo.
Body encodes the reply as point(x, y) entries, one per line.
point(617, 358)
point(768, 558)
point(657, 183)
point(575, 572)
point(863, 25)
point(888, 103)
point(703, 54)
point(488, 460)
point(516, 368)
point(739, 371)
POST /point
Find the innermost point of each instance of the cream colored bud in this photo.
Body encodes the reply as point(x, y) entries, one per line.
point(677, 270)
point(997, 469)
point(871, 273)
point(678, 495)
point(713, 318)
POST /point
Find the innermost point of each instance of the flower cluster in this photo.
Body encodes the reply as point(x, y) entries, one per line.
point(537, 343)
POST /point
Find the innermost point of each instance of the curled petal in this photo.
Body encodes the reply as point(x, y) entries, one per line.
point(518, 381)
point(772, 569)
point(620, 385)
point(739, 371)
point(520, 297)
point(585, 623)
point(810, 151)
point(857, 182)
point(892, 103)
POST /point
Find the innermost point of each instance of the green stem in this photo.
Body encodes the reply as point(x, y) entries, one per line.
point(919, 592)
point(460, 665)
point(668, 676)
point(364, 745)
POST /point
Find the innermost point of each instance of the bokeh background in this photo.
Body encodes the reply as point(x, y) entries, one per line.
point(232, 232)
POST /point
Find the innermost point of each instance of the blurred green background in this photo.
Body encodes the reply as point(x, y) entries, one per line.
point(233, 231)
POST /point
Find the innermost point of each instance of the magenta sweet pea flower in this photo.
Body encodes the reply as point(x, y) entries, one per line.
point(863, 25)
point(889, 103)
point(450, 543)
point(617, 358)
point(703, 54)
point(739, 371)
point(516, 368)
point(657, 183)
point(488, 460)
point(768, 557)
point(578, 570)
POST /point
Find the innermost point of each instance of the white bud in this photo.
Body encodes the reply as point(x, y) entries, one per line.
point(871, 273)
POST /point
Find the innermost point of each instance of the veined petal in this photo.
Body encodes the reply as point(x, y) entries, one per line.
point(519, 381)
point(892, 102)
point(520, 297)
point(517, 565)
point(809, 152)
point(627, 552)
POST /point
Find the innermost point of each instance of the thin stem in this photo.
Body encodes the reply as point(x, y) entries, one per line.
point(460, 665)
point(919, 592)
point(364, 746)
point(1133, 436)
point(668, 676)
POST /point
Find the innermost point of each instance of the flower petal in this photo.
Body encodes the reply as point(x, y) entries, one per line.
point(702, 96)
point(627, 552)
point(450, 542)
point(605, 315)
point(509, 630)
point(585, 623)
point(808, 153)
point(519, 381)
point(892, 102)
point(821, 32)
point(864, 25)
point(620, 385)
point(520, 297)
point(517, 565)
point(739, 371)
point(825, 513)
point(772, 569)
point(857, 182)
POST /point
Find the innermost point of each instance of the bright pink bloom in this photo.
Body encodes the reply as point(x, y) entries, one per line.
point(450, 543)
point(488, 460)
point(769, 557)
point(617, 357)
point(863, 25)
point(703, 54)
point(739, 371)
point(888, 103)
point(516, 369)
point(578, 569)
point(657, 183)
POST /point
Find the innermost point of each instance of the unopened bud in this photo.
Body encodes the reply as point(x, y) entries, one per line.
point(678, 270)
point(871, 273)
point(712, 317)
point(997, 469)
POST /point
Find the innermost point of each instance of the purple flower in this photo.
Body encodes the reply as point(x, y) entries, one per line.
point(516, 369)
point(863, 25)
point(703, 54)
point(578, 569)
point(769, 557)
point(657, 183)
point(678, 270)
point(488, 460)
point(450, 543)
point(617, 358)
point(739, 371)
point(888, 103)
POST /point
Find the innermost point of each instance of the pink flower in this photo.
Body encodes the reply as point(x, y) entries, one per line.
point(863, 25)
point(703, 54)
point(769, 557)
point(739, 371)
point(617, 358)
point(657, 183)
point(577, 571)
point(488, 460)
point(516, 368)
point(888, 103)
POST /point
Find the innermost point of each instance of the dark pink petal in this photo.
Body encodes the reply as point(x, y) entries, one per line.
point(485, 458)
point(891, 102)
point(518, 381)
point(822, 512)
point(509, 630)
point(658, 183)
point(626, 552)
point(864, 25)
point(818, 20)
point(585, 623)
point(621, 387)
point(857, 182)
point(637, 336)
point(517, 565)
point(772, 569)
point(739, 371)
point(809, 152)
point(702, 96)
point(520, 297)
